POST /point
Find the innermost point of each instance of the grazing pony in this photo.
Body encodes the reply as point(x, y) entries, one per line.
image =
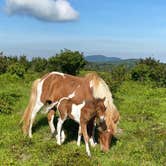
point(53, 86)
point(82, 114)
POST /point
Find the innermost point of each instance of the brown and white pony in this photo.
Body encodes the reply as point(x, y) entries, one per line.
point(82, 114)
point(52, 87)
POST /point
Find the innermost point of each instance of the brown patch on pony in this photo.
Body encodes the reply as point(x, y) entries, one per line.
point(28, 111)
point(56, 87)
point(50, 114)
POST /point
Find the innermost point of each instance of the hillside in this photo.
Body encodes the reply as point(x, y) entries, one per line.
point(101, 58)
point(107, 66)
point(103, 63)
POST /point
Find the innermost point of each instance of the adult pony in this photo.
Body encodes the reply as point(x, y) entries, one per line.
point(53, 86)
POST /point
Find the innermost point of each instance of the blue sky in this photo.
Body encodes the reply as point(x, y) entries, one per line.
point(119, 28)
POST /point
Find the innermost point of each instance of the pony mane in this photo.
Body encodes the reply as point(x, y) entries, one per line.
point(100, 90)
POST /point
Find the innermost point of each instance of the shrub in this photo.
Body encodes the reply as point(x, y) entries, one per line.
point(140, 73)
point(3, 64)
point(68, 61)
point(17, 69)
point(7, 102)
point(24, 62)
point(150, 69)
point(39, 64)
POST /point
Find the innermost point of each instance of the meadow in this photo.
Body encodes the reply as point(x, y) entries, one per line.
point(142, 140)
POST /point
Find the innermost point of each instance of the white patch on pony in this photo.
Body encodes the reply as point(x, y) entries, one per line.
point(79, 140)
point(59, 127)
point(71, 95)
point(58, 73)
point(79, 136)
point(91, 84)
point(37, 106)
point(76, 111)
point(87, 149)
point(48, 108)
point(63, 136)
point(102, 118)
point(92, 142)
point(65, 98)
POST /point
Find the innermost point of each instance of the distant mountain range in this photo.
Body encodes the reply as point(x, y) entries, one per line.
point(101, 58)
point(104, 63)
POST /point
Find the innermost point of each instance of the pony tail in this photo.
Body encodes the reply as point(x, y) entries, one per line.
point(28, 111)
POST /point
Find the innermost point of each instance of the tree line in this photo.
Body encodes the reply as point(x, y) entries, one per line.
point(66, 61)
point(72, 62)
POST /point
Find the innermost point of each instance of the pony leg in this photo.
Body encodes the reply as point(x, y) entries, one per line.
point(91, 132)
point(79, 136)
point(50, 117)
point(86, 138)
point(36, 109)
point(59, 127)
point(92, 138)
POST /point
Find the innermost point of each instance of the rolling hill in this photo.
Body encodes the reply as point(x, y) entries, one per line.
point(101, 58)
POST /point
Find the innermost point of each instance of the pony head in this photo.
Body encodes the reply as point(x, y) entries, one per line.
point(105, 137)
point(100, 108)
point(107, 129)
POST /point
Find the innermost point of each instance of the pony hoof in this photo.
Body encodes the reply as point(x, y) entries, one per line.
point(30, 136)
point(89, 155)
point(78, 144)
point(93, 145)
point(58, 142)
point(92, 142)
point(63, 137)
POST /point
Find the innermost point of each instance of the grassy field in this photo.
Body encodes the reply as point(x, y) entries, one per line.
point(142, 142)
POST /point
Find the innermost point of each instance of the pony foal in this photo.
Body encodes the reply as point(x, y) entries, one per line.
point(82, 114)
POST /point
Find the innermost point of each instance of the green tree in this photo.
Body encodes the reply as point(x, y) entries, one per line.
point(17, 69)
point(119, 72)
point(140, 72)
point(39, 64)
point(53, 64)
point(68, 61)
point(23, 61)
point(3, 63)
point(150, 69)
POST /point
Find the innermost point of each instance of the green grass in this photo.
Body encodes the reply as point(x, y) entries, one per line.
point(142, 142)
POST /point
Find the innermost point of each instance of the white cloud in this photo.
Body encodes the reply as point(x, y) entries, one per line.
point(47, 10)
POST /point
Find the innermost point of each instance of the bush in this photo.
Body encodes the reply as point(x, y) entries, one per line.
point(140, 73)
point(7, 102)
point(39, 64)
point(24, 62)
point(150, 70)
point(17, 69)
point(67, 61)
point(3, 64)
